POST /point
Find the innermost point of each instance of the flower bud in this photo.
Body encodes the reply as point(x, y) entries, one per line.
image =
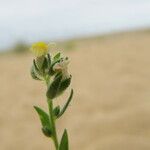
point(64, 85)
point(58, 86)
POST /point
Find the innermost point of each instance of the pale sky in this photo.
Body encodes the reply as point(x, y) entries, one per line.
point(36, 20)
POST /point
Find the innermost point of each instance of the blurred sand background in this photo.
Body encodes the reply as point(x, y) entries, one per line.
point(111, 106)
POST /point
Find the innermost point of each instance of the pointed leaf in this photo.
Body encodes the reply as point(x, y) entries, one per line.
point(56, 111)
point(35, 66)
point(43, 117)
point(36, 70)
point(66, 105)
point(64, 145)
point(49, 60)
point(53, 88)
point(45, 64)
point(57, 56)
point(51, 71)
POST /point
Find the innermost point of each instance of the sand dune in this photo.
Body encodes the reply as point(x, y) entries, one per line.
point(111, 105)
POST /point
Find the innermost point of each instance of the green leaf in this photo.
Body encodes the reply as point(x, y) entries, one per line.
point(36, 70)
point(35, 66)
point(43, 117)
point(64, 145)
point(46, 131)
point(33, 74)
point(66, 105)
point(64, 85)
point(45, 64)
point(57, 56)
point(51, 71)
point(49, 60)
point(53, 87)
point(56, 59)
point(56, 111)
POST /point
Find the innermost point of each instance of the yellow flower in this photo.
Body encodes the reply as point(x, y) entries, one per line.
point(39, 49)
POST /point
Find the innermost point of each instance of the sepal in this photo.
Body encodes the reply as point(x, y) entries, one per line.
point(33, 74)
point(40, 61)
point(51, 71)
point(43, 64)
point(57, 56)
point(56, 59)
point(36, 70)
point(49, 60)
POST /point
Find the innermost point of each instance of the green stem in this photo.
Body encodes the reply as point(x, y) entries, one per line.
point(52, 121)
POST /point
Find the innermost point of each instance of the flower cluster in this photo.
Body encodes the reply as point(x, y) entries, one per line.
point(53, 70)
point(48, 68)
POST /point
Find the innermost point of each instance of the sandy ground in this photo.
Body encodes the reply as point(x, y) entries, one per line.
point(111, 105)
